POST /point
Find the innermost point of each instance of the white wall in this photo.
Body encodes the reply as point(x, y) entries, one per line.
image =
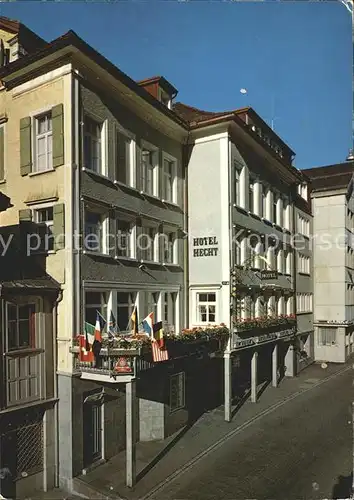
point(329, 257)
point(208, 238)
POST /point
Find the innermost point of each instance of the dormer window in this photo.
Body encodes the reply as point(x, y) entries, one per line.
point(165, 98)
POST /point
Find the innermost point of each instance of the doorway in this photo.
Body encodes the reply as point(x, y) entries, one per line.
point(92, 428)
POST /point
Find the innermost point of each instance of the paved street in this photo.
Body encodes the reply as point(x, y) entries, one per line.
point(296, 452)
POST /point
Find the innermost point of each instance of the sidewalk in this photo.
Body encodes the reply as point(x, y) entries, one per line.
point(157, 460)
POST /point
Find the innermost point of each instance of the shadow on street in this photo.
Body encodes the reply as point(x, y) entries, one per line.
point(343, 487)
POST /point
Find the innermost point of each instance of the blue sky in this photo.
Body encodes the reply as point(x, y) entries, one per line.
point(297, 53)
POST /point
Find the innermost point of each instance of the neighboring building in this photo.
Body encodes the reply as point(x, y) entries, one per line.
point(242, 194)
point(333, 247)
point(28, 393)
point(303, 248)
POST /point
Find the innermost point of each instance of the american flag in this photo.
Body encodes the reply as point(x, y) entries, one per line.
point(157, 353)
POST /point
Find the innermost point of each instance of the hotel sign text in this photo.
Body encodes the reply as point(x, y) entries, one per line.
point(208, 244)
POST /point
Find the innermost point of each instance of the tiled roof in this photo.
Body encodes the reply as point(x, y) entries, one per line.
point(195, 115)
point(331, 176)
point(45, 283)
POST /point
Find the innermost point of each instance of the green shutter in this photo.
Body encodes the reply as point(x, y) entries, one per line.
point(59, 226)
point(2, 154)
point(25, 145)
point(58, 135)
point(25, 215)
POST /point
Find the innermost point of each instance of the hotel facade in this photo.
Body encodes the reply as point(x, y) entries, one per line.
point(141, 202)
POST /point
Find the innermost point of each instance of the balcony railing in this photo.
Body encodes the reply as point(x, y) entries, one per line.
point(122, 358)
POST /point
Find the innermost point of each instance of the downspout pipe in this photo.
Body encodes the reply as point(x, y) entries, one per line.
point(55, 361)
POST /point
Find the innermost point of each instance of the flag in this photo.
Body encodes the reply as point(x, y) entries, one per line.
point(159, 351)
point(158, 334)
point(97, 343)
point(86, 342)
point(148, 323)
point(134, 320)
point(112, 325)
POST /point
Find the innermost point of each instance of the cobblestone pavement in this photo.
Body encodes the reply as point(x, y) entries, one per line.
point(302, 450)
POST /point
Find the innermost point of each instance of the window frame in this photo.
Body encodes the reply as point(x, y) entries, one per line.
point(102, 306)
point(174, 181)
point(199, 303)
point(34, 140)
point(132, 296)
point(103, 124)
point(130, 170)
point(104, 230)
point(154, 151)
point(321, 342)
point(146, 225)
point(32, 326)
point(49, 224)
point(131, 237)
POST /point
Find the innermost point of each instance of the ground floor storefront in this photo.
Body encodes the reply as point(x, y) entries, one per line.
point(334, 342)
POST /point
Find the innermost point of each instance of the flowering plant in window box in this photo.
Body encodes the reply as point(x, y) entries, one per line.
point(263, 322)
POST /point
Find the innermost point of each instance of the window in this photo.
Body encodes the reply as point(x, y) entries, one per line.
point(206, 307)
point(251, 196)
point(237, 247)
point(304, 302)
point(152, 300)
point(147, 244)
point(44, 218)
point(252, 307)
point(125, 306)
point(275, 203)
point(20, 326)
point(43, 143)
point(95, 232)
point(124, 159)
point(93, 145)
point(169, 180)
point(237, 185)
point(265, 202)
point(147, 171)
point(95, 301)
point(252, 242)
point(303, 226)
point(177, 391)
point(169, 311)
point(304, 264)
point(124, 238)
point(287, 261)
point(169, 248)
point(327, 336)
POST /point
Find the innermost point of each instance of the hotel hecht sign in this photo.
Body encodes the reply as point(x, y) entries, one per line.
point(206, 246)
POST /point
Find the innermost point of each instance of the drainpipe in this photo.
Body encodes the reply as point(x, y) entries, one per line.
point(292, 198)
point(186, 238)
point(56, 409)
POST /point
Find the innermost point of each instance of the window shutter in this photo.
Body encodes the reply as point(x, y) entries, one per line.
point(25, 146)
point(121, 158)
point(59, 226)
point(25, 215)
point(58, 135)
point(2, 154)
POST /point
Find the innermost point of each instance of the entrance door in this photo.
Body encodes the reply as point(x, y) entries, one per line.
point(92, 432)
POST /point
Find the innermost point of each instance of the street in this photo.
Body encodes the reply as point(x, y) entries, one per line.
point(303, 450)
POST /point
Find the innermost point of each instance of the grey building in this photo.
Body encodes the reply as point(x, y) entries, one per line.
point(333, 247)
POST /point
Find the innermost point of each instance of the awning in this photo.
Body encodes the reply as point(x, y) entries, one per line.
point(246, 278)
point(34, 284)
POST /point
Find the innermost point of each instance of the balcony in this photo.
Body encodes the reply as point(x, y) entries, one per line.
point(263, 329)
point(123, 357)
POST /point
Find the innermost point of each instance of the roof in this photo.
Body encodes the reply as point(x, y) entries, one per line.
point(195, 115)
point(71, 39)
point(329, 177)
point(45, 283)
point(161, 80)
point(17, 28)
